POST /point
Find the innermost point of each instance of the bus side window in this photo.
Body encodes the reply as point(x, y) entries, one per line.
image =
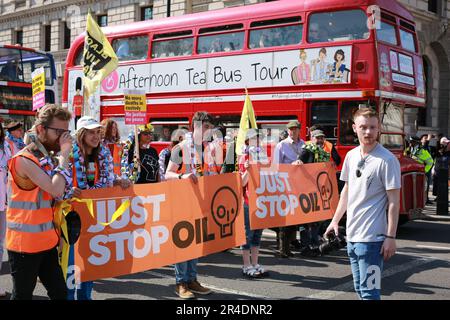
point(337, 26)
point(172, 48)
point(273, 37)
point(133, 48)
point(221, 42)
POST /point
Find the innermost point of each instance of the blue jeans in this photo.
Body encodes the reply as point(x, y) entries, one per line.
point(186, 271)
point(84, 289)
point(253, 236)
point(367, 266)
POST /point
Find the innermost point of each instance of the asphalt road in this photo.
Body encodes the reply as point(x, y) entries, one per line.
point(419, 270)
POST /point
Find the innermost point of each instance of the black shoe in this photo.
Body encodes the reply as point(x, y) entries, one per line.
point(296, 244)
point(310, 252)
point(285, 255)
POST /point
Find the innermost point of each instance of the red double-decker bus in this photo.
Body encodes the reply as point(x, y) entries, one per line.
point(311, 60)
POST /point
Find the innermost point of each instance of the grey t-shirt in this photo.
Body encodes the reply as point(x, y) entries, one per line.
point(367, 196)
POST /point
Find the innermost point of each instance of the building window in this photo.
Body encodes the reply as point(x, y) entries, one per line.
point(66, 36)
point(21, 4)
point(102, 20)
point(47, 37)
point(19, 37)
point(433, 6)
point(146, 13)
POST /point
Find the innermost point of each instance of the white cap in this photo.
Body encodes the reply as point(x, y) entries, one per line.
point(87, 123)
point(444, 141)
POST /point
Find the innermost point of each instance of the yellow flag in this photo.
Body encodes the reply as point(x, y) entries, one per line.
point(248, 116)
point(99, 58)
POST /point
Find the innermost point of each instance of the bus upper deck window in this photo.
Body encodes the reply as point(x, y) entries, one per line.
point(11, 71)
point(407, 40)
point(386, 33)
point(79, 57)
point(278, 36)
point(221, 42)
point(132, 48)
point(338, 26)
point(172, 48)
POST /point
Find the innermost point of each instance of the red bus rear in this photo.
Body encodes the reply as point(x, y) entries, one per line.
point(311, 60)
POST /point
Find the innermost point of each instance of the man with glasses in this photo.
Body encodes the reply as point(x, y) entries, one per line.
point(372, 184)
point(38, 178)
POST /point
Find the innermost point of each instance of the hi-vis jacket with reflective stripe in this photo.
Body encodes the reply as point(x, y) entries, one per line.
point(204, 169)
point(116, 150)
point(29, 217)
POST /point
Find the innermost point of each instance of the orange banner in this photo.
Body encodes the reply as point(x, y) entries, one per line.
point(166, 223)
point(292, 195)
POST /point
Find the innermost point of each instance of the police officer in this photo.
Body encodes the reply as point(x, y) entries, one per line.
point(422, 156)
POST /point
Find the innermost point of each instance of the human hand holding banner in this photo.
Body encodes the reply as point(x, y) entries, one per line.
point(167, 222)
point(291, 194)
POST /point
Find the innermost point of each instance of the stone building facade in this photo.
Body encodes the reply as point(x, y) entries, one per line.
point(51, 25)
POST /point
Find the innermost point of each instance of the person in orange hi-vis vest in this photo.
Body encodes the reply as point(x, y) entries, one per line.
point(187, 162)
point(112, 141)
point(327, 146)
point(36, 179)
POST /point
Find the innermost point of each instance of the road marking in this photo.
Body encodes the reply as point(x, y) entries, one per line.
point(424, 256)
point(433, 247)
point(230, 291)
point(348, 286)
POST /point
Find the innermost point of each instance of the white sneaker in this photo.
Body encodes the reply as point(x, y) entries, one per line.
point(2, 293)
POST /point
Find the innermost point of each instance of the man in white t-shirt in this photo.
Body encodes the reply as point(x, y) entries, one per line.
point(372, 184)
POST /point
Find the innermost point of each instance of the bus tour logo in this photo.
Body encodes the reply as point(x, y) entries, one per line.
point(110, 83)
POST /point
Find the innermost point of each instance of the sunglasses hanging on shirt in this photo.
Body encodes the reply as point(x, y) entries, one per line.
point(360, 166)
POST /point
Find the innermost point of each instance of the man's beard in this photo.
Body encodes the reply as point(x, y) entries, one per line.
point(51, 146)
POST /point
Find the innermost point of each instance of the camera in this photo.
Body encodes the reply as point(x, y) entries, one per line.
point(332, 243)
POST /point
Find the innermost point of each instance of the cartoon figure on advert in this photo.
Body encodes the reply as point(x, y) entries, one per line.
point(302, 73)
point(320, 68)
point(339, 72)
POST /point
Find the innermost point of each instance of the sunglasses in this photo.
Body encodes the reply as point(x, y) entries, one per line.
point(58, 131)
point(146, 133)
point(359, 167)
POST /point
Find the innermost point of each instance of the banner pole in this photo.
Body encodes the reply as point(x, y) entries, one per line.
point(136, 148)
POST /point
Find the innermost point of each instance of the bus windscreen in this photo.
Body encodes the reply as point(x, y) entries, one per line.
point(17, 65)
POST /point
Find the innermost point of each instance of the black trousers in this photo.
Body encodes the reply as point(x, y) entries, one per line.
point(286, 236)
point(26, 267)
